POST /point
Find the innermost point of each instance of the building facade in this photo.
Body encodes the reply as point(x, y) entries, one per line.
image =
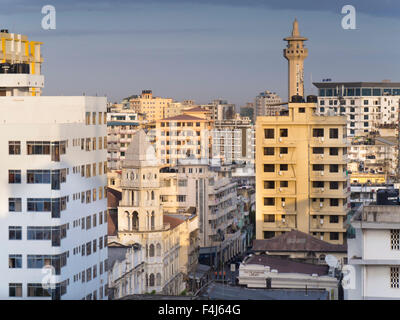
point(267, 103)
point(374, 254)
point(368, 106)
point(301, 180)
point(54, 210)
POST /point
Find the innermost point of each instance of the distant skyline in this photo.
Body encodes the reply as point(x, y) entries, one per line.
point(204, 50)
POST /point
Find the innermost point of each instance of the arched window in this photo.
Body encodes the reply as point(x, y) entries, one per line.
point(152, 220)
point(152, 250)
point(135, 220)
point(132, 176)
point(158, 279)
point(151, 282)
point(158, 249)
point(148, 196)
point(152, 195)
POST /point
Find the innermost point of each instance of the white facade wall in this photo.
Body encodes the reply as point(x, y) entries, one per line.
point(51, 119)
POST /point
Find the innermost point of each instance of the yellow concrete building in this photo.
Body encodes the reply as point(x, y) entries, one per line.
point(295, 53)
point(153, 107)
point(20, 57)
point(183, 137)
point(301, 177)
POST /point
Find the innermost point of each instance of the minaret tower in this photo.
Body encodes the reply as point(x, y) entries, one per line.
point(295, 53)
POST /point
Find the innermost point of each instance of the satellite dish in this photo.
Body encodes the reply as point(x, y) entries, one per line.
point(331, 261)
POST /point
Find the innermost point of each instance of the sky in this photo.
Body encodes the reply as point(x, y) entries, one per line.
point(203, 49)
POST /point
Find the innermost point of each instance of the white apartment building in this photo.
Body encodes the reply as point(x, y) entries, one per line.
point(367, 105)
point(121, 126)
point(52, 205)
point(212, 191)
point(234, 141)
point(267, 103)
point(374, 254)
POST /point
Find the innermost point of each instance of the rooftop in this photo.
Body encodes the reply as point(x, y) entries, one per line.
point(284, 265)
point(296, 241)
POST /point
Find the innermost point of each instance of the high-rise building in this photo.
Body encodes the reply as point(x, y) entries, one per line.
point(301, 179)
point(53, 182)
point(301, 166)
point(295, 53)
point(368, 106)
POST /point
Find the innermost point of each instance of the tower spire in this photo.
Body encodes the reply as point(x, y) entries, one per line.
point(295, 53)
point(295, 31)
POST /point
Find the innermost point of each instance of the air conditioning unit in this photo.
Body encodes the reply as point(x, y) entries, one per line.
point(321, 139)
point(283, 204)
point(322, 189)
point(321, 221)
point(321, 204)
point(322, 238)
point(283, 220)
point(322, 173)
point(280, 173)
point(321, 156)
point(280, 139)
point(280, 155)
point(280, 189)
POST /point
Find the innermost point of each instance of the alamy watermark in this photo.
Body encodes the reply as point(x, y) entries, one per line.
point(49, 20)
point(349, 20)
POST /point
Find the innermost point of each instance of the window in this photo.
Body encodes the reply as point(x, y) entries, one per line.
point(333, 168)
point(284, 184)
point(394, 277)
point(269, 151)
point(333, 151)
point(94, 245)
point(88, 248)
point(94, 220)
point(334, 185)
point(269, 234)
point(394, 239)
point(283, 150)
point(269, 168)
point(38, 147)
point(318, 150)
point(14, 233)
point(15, 289)
point(14, 176)
point(14, 204)
point(269, 184)
point(318, 184)
point(334, 236)
point(15, 261)
point(333, 133)
point(38, 176)
point(269, 201)
point(318, 133)
point(88, 223)
point(14, 147)
point(334, 202)
point(283, 167)
point(269, 133)
point(318, 167)
point(269, 218)
point(283, 132)
point(334, 219)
